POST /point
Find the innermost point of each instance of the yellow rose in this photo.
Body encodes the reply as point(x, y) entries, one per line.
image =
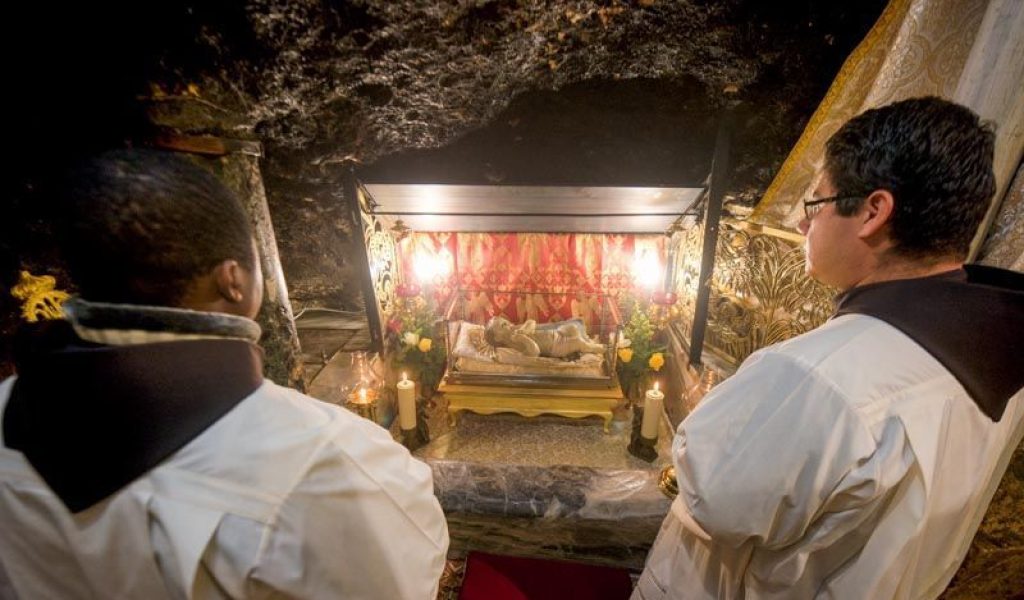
point(625, 354)
point(425, 344)
point(657, 361)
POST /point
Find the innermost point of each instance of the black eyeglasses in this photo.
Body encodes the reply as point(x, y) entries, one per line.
point(813, 207)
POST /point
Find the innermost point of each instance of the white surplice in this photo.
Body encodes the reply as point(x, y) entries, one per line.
point(843, 463)
point(284, 496)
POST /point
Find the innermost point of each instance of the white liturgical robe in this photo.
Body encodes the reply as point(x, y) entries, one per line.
point(283, 496)
point(844, 463)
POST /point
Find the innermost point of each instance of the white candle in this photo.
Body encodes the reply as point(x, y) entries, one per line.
point(653, 402)
point(406, 403)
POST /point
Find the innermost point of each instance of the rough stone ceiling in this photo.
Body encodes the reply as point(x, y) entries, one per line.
point(471, 91)
point(326, 80)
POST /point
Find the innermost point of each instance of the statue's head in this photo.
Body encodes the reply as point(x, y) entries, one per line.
point(498, 331)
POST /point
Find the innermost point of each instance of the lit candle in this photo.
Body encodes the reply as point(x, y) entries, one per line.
point(362, 395)
point(406, 403)
point(653, 402)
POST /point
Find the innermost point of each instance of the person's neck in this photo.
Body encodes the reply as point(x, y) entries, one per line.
point(893, 269)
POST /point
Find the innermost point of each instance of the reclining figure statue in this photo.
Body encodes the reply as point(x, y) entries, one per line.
point(554, 340)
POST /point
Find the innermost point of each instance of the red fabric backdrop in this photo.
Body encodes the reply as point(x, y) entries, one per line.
point(547, 277)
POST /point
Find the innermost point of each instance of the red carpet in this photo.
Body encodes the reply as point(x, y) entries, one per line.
point(491, 577)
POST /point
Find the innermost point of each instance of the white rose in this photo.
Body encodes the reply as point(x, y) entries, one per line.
point(624, 342)
point(411, 338)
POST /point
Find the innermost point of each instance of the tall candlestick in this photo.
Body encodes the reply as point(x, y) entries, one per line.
point(406, 403)
point(653, 403)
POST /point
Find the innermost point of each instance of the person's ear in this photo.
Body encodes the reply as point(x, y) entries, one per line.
point(229, 279)
point(876, 213)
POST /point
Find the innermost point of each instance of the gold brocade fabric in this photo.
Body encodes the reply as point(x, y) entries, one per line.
point(1004, 247)
point(917, 48)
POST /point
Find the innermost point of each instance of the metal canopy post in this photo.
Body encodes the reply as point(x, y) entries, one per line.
point(350, 187)
point(712, 216)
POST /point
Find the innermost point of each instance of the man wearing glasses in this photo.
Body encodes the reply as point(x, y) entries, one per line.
point(857, 460)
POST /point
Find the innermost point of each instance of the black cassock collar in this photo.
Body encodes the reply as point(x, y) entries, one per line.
point(971, 320)
point(92, 418)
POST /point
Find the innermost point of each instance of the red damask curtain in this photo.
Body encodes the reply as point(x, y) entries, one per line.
point(543, 276)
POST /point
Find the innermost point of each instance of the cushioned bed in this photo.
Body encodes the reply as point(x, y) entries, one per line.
point(474, 355)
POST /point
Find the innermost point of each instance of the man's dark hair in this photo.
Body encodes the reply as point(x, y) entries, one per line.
point(934, 156)
point(140, 225)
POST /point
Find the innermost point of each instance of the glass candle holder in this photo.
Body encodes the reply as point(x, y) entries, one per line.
point(362, 389)
point(363, 402)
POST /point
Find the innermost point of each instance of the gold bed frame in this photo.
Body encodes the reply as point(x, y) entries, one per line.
point(529, 396)
point(531, 402)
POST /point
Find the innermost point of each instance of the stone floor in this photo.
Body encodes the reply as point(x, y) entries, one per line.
point(994, 567)
point(546, 487)
point(542, 441)
point(451, 579)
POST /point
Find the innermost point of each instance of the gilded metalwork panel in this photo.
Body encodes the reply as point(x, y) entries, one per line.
point(687, 276)
point(383, 258)
point(759, 292)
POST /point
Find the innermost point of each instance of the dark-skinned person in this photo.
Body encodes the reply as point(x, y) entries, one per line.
point(143, 453)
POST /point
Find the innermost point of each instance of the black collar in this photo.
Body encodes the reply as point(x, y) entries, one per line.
point(971, 320)
point(91, 419)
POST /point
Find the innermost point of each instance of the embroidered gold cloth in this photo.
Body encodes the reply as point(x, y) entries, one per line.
point(970, 51)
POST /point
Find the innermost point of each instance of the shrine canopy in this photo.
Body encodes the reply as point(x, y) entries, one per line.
point(541, 209)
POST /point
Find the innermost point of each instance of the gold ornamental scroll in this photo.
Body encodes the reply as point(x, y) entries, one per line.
point(41, 300)
point(970, 51)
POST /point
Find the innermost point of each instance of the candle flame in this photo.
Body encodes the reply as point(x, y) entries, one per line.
point(404, 377)
point(655, 386)
point(362, 394)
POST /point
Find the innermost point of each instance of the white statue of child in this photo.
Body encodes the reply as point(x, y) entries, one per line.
point(556, 342)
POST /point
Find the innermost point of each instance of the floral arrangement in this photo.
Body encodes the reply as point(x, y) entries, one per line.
point(414, 345)
point(640, 354)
